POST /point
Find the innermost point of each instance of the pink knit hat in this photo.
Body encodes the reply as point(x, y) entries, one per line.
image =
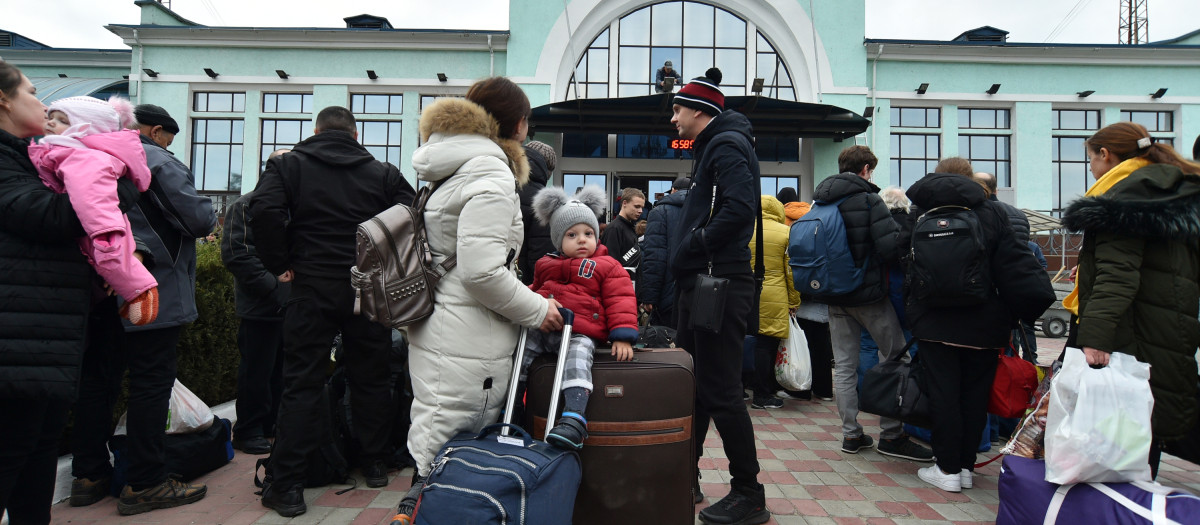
point(99, 115)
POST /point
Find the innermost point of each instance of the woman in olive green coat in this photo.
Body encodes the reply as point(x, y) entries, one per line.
point(1138, 285)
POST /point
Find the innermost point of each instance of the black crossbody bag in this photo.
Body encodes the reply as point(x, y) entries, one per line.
point(710, 292)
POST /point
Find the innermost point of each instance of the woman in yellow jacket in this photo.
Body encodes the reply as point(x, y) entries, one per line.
point(779, 298)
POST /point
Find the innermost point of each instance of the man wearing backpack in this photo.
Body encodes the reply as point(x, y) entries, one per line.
point(872, 238)
point(304, 214)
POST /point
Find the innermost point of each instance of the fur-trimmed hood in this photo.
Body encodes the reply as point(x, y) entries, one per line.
point(1157, 201)
point(455, 131)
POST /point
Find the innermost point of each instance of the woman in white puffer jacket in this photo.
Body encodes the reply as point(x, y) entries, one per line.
point(461, 356)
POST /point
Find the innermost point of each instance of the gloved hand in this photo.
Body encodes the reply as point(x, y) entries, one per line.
point(143, 309)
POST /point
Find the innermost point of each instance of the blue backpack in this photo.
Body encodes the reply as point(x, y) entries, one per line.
point(820, 255)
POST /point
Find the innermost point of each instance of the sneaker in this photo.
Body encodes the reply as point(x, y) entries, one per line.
point(736, 509)
point(825, 398)
point(966, 479)
point(170, 493)
point(287, 503)
point(803, 395)
point(934, 476)
point(852, 445)
point(254, 445)
point(569, 432)
point(904, 448)
point(766, 402)
point(404, 512)
point(375, 473)
point(745, 395)
point(85, 492)
point(697, 494)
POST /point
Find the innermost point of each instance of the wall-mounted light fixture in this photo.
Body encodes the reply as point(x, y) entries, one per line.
point(371, 74)
point(869, 112)
point(921, 89)
point(993, 90)
point(1159, 93)
point(210, 73)
point(441, 77)
point(150, 72)
point(62, 75)
point(757, 86)
point(282, 74)
point(1085, 94)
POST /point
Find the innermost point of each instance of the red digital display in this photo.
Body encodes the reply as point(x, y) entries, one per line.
point(682, 144)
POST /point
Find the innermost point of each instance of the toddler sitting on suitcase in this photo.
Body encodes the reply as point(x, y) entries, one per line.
point(585, 279)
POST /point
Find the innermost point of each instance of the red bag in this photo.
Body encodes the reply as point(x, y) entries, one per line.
point(1012, 389)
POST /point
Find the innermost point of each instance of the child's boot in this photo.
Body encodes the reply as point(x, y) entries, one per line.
point(569, 432)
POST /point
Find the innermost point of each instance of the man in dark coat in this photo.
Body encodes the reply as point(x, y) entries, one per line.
point(259, 299)
point(714, 238)
point(656, 285)
point(542, 160)
point(305, 212)
point(1016, 217)
point(873, 239)
point(621, 236)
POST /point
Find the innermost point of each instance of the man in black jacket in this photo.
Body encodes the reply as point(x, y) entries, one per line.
point(872, 236)
point(714, 231)
point(259, 298)
point(620, 237)
point(542, 160)
point(656, 286)
point(304, 215)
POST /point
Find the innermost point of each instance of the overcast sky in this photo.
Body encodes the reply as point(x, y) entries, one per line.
point(80, 23)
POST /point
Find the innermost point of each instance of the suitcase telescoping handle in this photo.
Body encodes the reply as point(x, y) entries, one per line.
point(568, 320)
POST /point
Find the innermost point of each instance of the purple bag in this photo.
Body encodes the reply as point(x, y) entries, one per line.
point(1027, 498)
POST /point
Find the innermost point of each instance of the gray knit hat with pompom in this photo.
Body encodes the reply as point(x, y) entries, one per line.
point(554, 208)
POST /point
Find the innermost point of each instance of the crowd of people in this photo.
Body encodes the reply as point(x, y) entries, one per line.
point(100, 223)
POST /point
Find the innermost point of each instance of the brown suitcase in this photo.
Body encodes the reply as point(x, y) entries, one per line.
point(639, 463)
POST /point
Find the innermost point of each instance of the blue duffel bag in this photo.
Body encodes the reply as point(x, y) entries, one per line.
point(489, 478)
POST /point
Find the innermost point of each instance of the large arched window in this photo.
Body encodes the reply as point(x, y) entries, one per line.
point(694, 37)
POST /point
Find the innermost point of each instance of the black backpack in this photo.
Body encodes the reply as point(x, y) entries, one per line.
point(948, 263)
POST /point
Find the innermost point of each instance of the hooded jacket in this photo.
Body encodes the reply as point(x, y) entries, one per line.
point(795, 210)
point(779, 292)
point(1022, 288)
point(168, 218)
point(1139, 283)
point(725, 162)
point(537, 236)
point(45, 285)
point(309, 203)
point(870, 231)
point(596, 288)
point(656, 285)
point(460, 357)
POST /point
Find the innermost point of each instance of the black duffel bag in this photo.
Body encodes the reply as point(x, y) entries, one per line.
point(896, 390)
point(187, 456)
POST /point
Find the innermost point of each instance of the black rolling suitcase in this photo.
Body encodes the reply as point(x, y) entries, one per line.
point(639, 460)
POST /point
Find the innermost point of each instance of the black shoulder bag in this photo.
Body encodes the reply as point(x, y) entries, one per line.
point(710, 292)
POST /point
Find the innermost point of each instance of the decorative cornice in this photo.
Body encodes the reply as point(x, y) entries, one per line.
point(1025, 54)
point(315, 38)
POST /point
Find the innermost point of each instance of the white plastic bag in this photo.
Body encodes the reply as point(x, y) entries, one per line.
point(793, 369)
point(186, 413)
point(1098, 424)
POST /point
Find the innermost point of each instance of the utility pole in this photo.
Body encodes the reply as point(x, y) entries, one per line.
point(1134, 25)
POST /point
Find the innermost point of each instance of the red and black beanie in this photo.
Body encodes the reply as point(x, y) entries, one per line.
point(703, 93)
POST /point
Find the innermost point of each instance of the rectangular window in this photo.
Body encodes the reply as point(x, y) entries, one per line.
point(377, 104)
point(772, 185)
point(777, 149)
point(657, 189)
point(1071, 172)
point(988, 153)
point(916, 117)
point(913, 156)
point(1076, 119)
point(382, 139)
point(428, 99)
point(217, 154)
point(287, 102)
point(652, 147)
point(1152, 120)
point(206, 102)
point(585, 145)
point(573, 182)
point(280, 134)
point(972, 118)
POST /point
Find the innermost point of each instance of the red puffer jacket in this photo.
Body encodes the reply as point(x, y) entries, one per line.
point(597, 289)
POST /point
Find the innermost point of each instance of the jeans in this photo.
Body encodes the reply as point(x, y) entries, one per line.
point(845, 328)
point(29, 457)
point(318, 309)
point(260, 377)
point(960, 384)
point(718, 367)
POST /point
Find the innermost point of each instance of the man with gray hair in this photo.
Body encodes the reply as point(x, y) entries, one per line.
point(895, 199)
point(1016, 218)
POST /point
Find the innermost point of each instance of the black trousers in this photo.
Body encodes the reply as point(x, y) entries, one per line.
point(318, 309)
point(29, 457)
point(718, 366)
point(820, 353)
point(765, 350)
point(960, 384)
point(260, 377)
point(150, 356)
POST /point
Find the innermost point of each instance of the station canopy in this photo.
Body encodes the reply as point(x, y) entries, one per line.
point(50, 89)
point(651, 115)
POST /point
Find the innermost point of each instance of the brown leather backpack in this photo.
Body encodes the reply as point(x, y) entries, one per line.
point(394, 276)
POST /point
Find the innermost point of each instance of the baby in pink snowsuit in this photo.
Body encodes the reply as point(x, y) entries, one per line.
point(84, 153)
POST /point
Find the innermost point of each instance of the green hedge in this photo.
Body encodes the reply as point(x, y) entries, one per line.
point(208, 351)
